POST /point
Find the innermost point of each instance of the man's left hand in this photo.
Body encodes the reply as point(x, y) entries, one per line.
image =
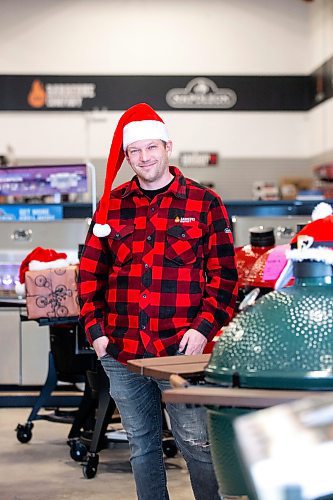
point(193, 342)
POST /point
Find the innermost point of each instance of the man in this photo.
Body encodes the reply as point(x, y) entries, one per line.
point(157, 278)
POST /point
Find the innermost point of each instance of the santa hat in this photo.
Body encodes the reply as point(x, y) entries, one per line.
point(137, 123)
point(39, 259)
point(314, 242)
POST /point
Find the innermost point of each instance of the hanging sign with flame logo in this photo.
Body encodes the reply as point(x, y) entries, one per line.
point(59, 95)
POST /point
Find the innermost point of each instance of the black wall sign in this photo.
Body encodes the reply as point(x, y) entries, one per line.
point(217, 92)
point(84, 93)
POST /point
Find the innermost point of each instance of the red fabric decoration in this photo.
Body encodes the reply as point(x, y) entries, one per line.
point(41, 255)
point(320, 231)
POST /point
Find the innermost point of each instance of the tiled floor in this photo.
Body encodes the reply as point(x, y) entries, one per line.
point(43, 470)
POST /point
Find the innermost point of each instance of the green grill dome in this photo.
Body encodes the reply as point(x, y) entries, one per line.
point(283, 341)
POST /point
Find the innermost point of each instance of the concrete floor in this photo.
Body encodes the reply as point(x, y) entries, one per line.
point(43, 470)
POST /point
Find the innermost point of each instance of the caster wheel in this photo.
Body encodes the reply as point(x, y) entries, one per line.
point(169, 448)
point(78, 451)
point(90, 468)
point(24, 432)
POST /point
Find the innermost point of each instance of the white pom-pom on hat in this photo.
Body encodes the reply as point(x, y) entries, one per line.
point(321, 211)
point(101, 230)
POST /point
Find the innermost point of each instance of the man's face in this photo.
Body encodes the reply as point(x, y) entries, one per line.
point(150, 160)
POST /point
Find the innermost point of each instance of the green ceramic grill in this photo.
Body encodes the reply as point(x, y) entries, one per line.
point(284, 341)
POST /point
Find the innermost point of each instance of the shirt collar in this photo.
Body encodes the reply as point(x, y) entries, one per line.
point(177, 188)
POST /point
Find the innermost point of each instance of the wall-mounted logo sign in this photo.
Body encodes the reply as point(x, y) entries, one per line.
point(59, 95)
point(201, 93)
point(44, 93)
point(194, 159)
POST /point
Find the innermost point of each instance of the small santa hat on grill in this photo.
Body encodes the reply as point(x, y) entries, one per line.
point(313, 242)
point(138, 123)
point(38, 259)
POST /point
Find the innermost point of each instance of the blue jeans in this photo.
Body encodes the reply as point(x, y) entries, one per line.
point(138, 399)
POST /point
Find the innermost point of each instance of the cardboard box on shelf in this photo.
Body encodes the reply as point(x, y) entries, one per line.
point(290, 186)
point(52, 293)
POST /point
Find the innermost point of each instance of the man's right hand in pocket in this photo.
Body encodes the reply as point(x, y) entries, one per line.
point(100, 345)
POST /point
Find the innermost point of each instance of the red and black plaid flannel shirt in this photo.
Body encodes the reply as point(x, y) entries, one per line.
point(168, 265)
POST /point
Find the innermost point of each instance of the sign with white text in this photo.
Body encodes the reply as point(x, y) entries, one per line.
point(198, 159)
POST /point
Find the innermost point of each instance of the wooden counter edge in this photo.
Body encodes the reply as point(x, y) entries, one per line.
point(243, 398)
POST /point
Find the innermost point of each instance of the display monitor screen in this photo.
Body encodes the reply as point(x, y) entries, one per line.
point(43, 180)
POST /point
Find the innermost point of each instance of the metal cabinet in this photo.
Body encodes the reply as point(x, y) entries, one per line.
point(24, 350)
point(10, 346)
point(35, 346)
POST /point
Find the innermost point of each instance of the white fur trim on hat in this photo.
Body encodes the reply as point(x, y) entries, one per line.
point(20, 289)
point(101, 230)
point(144, 129)
point(319, 254)
point(321, 211)
point(37, 265)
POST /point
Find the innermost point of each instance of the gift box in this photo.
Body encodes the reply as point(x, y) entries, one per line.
point(52, 293)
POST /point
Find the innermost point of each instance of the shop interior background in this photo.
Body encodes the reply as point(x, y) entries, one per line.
point(155, 37)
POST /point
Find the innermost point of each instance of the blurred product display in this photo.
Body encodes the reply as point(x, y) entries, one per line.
point(265, 190)
point(266, 269)
point(324, 179)
point(261, 239)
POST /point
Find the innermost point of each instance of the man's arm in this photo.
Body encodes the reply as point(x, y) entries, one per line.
point(221, 288)
point(92, 285)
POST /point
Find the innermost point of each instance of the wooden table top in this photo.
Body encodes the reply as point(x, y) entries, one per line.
point(169, 367)
point(162, 368)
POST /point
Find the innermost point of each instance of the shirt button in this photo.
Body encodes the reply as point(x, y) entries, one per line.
point(143, 327)
point(148, 238)
point(117, 235)
point(146, 266)
point(183, 235)
point(144, 296)
point(152, 209)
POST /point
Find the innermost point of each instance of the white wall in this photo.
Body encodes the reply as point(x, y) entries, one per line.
point(321, 33)
point(234, 135)
point(277, 143)
point(196, 37)
point(154, 36)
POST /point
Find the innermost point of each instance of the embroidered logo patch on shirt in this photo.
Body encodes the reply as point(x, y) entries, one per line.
point(183, 220)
